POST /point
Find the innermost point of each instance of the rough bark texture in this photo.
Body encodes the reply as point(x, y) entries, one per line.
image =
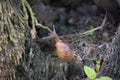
point(12, 38)
point(115, 56)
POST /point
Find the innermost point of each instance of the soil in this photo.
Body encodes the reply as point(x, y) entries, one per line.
point(71, 18)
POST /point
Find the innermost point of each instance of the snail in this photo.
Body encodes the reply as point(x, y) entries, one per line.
point(64, 50)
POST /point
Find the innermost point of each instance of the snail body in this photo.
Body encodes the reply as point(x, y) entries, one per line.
point(64, 50)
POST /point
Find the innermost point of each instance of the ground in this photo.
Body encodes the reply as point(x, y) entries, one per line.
point(71, 20)
point(90, 27)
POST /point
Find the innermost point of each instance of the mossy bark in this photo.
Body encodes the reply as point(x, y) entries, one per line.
point(13, 35)
point(20, 56)
point(111, 67)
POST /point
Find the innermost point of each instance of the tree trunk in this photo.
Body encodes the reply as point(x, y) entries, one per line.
point(13, 34)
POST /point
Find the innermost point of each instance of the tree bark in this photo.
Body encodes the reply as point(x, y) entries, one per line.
point(13, 34)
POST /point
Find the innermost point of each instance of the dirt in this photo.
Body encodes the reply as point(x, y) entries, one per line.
point(71, 18)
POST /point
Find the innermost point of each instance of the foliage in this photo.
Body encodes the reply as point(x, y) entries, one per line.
point(91, 33)
point(91, 74)
point(97, 66)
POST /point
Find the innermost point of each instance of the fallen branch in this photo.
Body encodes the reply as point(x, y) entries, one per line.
point(89, 31)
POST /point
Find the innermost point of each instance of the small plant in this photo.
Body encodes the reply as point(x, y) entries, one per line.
point(97, 66)
point(91, 32)
point(91, 74)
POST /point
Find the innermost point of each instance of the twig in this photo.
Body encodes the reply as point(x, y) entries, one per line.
point(102, 67)
point(99, 27)
point(85, 33)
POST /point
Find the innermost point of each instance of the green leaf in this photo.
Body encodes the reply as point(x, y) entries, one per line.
point(105, 78)
point(97, 79)
point(97, 67)
point(90, 72)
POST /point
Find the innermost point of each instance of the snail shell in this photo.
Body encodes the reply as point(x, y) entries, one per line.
point(64, 50)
